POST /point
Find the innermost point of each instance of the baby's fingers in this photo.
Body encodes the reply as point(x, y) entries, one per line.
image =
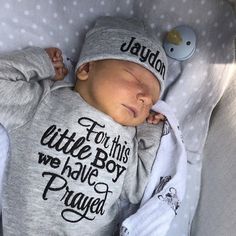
point(57, 57)
point(58, 64)
point(61, 72)
point(155, 118)
point(159, 117)
point(53, 52)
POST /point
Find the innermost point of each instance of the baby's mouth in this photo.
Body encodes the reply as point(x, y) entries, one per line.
point(132, 110)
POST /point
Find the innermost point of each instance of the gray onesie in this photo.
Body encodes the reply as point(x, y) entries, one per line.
point(69, 163)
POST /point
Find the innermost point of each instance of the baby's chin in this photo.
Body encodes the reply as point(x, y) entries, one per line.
point(129, 122)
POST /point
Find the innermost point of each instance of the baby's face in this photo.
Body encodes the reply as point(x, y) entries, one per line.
point(123, 90)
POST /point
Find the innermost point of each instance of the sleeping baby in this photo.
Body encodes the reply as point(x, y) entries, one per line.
point(77, 151)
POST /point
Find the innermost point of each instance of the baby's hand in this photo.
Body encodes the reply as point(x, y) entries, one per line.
point(155, 118)
point(55, 55)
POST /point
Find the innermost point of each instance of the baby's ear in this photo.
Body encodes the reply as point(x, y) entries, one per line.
point(82, 72)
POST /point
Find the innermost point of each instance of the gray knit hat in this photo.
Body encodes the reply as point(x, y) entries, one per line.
point(125, 39)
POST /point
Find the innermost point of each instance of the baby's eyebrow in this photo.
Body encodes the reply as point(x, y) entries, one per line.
point(131, 73)
point(128, 70)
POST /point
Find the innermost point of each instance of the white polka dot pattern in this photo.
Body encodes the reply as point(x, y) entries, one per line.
point(47, 21)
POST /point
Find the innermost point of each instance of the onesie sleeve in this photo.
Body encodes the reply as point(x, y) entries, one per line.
point(23, 81)
point(146, 145)
point(28, 64)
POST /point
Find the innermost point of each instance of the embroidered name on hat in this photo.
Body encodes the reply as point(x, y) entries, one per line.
point(145, 55)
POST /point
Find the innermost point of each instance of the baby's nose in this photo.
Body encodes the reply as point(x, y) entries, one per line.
point(145, 98)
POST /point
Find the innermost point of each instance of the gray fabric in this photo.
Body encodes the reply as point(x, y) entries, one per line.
point(216, 214)
point(125, 39)
point(69, 163)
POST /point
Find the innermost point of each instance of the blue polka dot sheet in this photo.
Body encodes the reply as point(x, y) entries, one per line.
point(194, 86)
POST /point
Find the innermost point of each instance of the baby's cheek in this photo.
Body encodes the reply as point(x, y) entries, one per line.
point(147, 114)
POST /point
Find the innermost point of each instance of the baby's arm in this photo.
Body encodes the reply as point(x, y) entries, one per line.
point(25, 76)
point(147, 142)
point(25, 65)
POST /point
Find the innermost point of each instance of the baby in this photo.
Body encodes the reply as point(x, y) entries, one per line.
point(77, 151)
